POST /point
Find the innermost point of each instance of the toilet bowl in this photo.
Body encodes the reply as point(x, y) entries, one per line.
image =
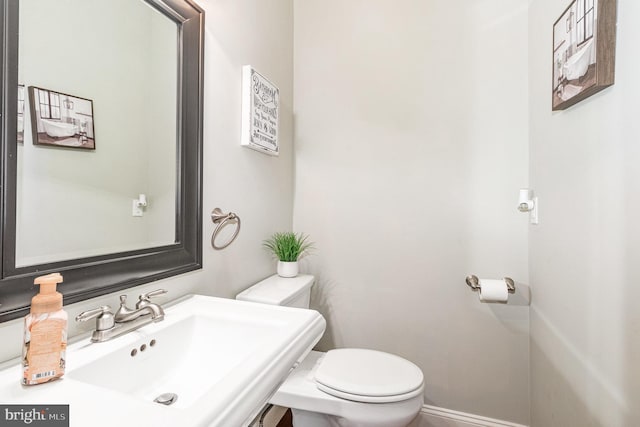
point(343, 387)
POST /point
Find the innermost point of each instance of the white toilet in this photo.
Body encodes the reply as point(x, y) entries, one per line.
point(344, 387)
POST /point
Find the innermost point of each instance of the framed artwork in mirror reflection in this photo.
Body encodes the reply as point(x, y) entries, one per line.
point(61, 120)
point(584, 42)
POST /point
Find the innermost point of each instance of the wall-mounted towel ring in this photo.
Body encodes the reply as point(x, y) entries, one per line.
point(222, 219)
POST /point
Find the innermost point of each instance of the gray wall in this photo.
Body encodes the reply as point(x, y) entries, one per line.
point(585, 322)
point(411, 145)
point(255, 186)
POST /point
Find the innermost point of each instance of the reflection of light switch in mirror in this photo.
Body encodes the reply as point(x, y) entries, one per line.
point(138, 205)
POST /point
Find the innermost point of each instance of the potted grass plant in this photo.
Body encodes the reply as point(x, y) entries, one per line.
point(288, 248)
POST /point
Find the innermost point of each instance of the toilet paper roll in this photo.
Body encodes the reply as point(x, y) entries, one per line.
point(493, 291)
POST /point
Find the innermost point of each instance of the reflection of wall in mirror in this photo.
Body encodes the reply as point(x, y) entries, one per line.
point(135, 121)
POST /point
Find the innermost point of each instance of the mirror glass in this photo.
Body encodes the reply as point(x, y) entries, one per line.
point(97, 128)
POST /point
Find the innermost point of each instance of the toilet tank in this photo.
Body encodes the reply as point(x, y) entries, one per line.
point(276, 290)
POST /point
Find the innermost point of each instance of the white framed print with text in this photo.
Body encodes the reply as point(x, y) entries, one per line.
point(260, 112)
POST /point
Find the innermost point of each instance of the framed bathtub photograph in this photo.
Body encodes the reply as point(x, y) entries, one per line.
point(584, 45)
point(61, 120)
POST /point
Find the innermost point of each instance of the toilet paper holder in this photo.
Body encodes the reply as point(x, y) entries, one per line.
point(474, 283)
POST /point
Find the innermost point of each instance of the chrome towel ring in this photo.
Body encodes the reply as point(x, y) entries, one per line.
point(222, 219)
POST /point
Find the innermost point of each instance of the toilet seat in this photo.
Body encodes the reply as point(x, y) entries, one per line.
point(368, 376)
point(301, 393)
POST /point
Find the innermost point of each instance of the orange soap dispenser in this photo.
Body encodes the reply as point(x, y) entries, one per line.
point(45, 334)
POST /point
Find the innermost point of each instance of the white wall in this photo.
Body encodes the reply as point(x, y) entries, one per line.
point(255, 186)
point(411, 145)
point(585, 322)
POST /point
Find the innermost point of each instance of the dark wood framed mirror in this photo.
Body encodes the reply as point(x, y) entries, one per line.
point(90, 276)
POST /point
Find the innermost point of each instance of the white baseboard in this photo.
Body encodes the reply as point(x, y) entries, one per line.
point(433, 416)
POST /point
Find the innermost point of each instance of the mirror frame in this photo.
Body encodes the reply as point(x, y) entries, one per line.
point(90, 277)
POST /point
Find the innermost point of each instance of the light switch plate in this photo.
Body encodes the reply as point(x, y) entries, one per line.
point(137, 209)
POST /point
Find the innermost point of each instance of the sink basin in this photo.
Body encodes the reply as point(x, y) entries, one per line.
point(219, 360)
point(185, 358)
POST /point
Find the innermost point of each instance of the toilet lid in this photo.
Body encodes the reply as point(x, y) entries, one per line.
point(368, 376)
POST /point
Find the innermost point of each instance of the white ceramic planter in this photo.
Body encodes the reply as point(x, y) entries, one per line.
point(287, 269)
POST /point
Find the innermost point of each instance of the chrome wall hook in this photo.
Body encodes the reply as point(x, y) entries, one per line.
point(221, 219)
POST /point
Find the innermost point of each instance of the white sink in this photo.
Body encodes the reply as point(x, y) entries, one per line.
point(222, 359)
point(172, 355)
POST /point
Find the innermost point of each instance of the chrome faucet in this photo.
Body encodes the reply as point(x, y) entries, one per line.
point(143, 307)
point(125, 320)
point(144, 300)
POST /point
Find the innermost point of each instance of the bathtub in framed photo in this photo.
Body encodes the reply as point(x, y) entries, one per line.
point(61, 120)
point(584, 44)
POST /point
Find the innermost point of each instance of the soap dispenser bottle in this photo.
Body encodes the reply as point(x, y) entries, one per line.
point(45, 334)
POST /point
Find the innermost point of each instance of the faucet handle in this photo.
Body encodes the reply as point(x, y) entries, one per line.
point(90, 314)
point(104, 317)
point(152, 294)
point(144, 298)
